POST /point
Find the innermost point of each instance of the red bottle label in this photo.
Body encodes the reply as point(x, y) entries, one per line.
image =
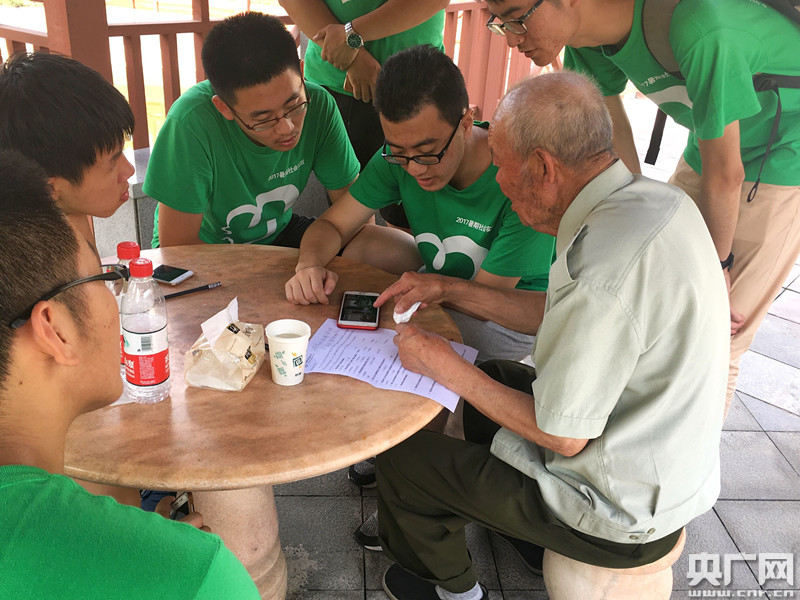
point(146, 357)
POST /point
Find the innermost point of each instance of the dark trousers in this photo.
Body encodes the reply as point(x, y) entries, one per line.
point(366, 136)
point(430, 486)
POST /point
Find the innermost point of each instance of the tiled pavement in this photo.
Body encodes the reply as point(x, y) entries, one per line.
point(758, 511)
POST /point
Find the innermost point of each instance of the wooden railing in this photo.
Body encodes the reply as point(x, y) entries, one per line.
point(79, 28)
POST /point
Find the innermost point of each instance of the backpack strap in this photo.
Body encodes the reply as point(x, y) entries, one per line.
point(656, 20)
point(763, 82)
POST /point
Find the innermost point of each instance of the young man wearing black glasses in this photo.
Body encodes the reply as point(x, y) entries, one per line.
point(436, 163)
point(59, 339)
point(236, 151)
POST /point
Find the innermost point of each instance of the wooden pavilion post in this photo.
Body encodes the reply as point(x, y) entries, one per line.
point(78, 28)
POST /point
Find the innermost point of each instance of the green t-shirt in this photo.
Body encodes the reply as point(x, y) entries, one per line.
point(321, 72)
point(59, 541)
point(719, 47)
point(203, 163)
point(459, 232)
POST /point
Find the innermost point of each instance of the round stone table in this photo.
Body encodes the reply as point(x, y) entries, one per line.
point(229, 448)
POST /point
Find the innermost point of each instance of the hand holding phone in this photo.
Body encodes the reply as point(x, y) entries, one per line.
point(358, 312)
point(171, 275)
point(181, 507)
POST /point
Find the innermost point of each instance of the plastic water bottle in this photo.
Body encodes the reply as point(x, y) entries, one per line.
point(126, 252)
point(144, 328)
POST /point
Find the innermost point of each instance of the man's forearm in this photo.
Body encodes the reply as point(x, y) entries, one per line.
point(392, 17)
point(721, 186)
point(506, 406)
point(395, 16)
point(320, 244)
point(518, 310)
point(309, 15)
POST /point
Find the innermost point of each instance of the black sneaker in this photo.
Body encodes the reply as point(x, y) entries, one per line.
point(363, 473)
point(367, 534)
point(399, 584)
point(530, 554)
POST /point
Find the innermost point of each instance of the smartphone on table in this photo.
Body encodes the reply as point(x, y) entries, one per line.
point(358, 312)
point(171, 275)
point(181, 506)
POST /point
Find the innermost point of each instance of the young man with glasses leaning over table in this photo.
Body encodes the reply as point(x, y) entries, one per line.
point(436, 163)
point(59, 349)
point(236, 151)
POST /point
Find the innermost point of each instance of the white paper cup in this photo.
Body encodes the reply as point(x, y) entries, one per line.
point(288, 342)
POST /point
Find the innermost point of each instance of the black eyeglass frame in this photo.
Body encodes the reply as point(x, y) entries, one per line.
point(432, 159)
point(265, 124)
point(117, 272)
point(502, 28)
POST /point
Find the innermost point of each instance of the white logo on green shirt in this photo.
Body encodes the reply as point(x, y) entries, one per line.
point(455, 244)
point(674, 93)
point(285, 195)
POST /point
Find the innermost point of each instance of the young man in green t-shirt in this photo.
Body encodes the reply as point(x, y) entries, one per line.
point(719, 47)
point(236, 151)
point(436, 163)
point(59, 348)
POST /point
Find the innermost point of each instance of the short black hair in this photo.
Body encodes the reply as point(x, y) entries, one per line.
point(245, 50)
point(60, 113)
point(416, 77)
point(39, 251)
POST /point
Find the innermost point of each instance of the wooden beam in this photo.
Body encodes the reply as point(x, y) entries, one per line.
point(78, 28)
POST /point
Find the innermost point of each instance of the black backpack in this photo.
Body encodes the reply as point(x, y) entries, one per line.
point(656, 20)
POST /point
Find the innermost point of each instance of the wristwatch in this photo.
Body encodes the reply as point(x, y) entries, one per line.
point(354, 40)
point(727, 263)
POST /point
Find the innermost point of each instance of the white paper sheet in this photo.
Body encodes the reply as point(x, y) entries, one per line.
point(371, 356)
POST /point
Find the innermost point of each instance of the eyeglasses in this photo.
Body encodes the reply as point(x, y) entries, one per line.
point(292, 113)
point(112, 272)
point(420, 159)
point(514, 26)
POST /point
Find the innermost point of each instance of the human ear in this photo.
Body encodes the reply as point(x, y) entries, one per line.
point(222, 107)
point(546, 165)
point(54, 332)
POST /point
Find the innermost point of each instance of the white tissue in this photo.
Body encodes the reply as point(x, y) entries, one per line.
point(213, 327)
point(406, 316)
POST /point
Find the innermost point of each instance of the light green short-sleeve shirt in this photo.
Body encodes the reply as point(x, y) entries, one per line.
point(632, 354)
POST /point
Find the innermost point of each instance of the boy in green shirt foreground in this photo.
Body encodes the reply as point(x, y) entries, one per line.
point(59, 343)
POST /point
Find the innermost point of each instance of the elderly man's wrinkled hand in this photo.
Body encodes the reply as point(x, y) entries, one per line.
point(311, 285)
point(423, 352)
point(412, 287)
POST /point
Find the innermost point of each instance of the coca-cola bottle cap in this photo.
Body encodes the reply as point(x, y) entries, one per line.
point(141, 267)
